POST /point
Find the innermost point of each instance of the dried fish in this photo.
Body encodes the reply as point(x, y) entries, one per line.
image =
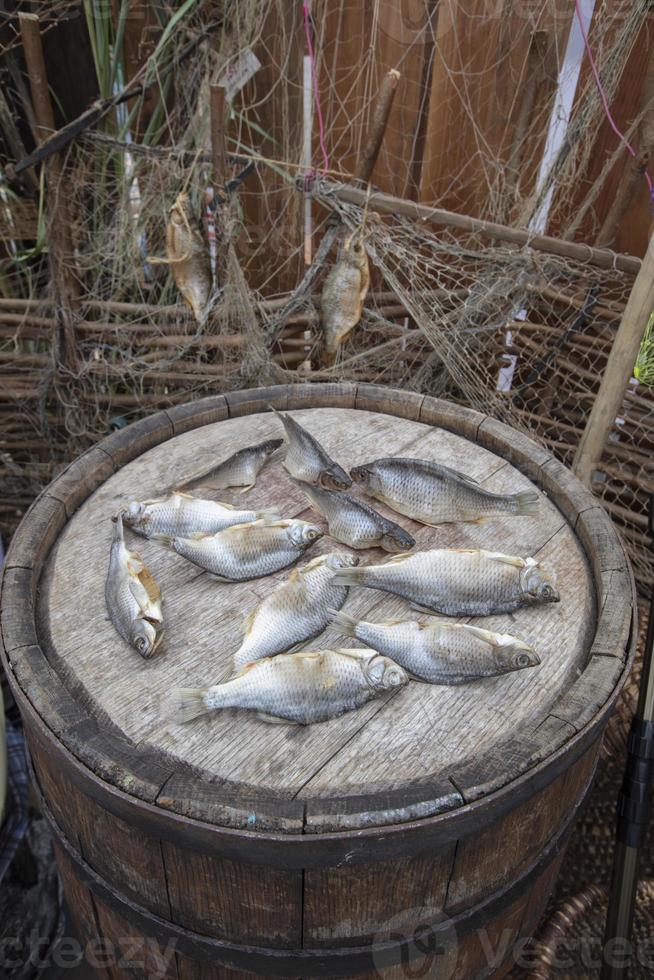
point(354, 522)
point(435, 494)
point(180, 515)
point(440, 652)
point(459, 582)
point(300, 688)
point(344, 294)
point(296, 610)
point(133, 597)
point(307, 460)
point(247, 551)
point(188, 257)
point(239, 470)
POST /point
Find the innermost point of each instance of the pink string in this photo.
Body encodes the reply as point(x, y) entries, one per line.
point(600, 88)
point(314, 82)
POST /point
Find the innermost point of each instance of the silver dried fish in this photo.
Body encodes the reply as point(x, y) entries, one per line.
point(435, 494)
point(133, 597)
point(459, 582)
point(181, 515)
point(301, 688)
point(354, 522)
point(296, 610)
point(307, 460)
point(440, 652)
point(247, 551)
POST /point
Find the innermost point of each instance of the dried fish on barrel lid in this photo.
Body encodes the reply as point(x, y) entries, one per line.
point(440, 652)
point(300, 688)
point(344, 294)
point(354, 522)
point(435, 494)
point(188, 257)
point(296, 610)
point(180, 515)
point(239, 470)
point(307, 460)
point(246, 551)
point(133, 598)
point(459, 582)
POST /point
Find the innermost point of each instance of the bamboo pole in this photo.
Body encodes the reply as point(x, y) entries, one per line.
point(618, 369)
point(378, 125)
point(60, 244)
point(386, 203)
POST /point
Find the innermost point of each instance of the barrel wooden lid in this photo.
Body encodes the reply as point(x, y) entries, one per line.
point(417, 752)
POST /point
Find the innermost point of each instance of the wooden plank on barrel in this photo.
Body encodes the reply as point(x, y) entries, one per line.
point(447, 415)
point(81, 478)
point(193, 415)
point(616, 622)
point(80, 901)
point(36, 534)
point(201, 888)
point(352, 906)
point(485, 861)
point(128, 443)
point(514, 446)
point(580, 703)
point(16, 616)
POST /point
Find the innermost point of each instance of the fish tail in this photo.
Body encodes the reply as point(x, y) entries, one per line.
point(349, 576)
point(347, 624)
point(527, 503)
point(190, 703)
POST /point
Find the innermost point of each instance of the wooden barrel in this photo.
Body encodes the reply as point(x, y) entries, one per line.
point(419, 835)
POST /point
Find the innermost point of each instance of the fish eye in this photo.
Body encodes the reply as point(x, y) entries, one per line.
point(547, 591)
point(522, 660)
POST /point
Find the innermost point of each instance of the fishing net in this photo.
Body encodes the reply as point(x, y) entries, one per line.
point(514, 332)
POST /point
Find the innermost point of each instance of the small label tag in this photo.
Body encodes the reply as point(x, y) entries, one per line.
point(239, 72)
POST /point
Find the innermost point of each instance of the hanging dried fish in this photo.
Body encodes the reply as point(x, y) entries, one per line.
point(188, 257)
point(343, 295)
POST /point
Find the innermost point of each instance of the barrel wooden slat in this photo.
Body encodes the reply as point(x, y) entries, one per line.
point(202, 893)
point(263, 850)
point(344, 906)
point(480, 865)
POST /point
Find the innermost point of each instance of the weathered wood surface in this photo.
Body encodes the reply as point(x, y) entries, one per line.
point(423, 734)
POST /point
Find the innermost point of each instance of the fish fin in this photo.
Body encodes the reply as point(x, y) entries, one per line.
point(268, 514)
point(505, 559)
point(163, 539)
point(248, 622)
point(190, 704)
point(464, 477)
point(218, 578)
point(246, 489)
point(274, 720)
point(422, 609)
point(183, 494)
point(347, 624)
point(396, 558)
point(482, 634)
point(200, 535)
point(528, 502)
point(147, 581)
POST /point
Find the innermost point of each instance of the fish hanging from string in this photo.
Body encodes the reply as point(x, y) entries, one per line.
point(188, 257)
point(344, 291)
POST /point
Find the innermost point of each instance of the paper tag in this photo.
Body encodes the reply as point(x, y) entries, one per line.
point(239, 72)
